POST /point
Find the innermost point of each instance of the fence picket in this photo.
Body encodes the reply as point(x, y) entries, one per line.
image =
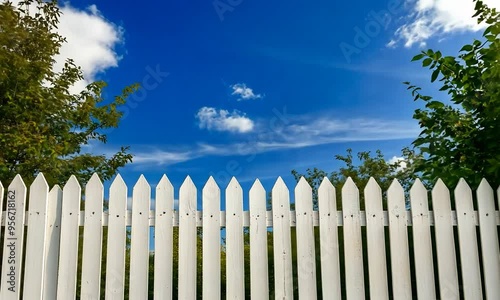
point(187, 240)
point(92, 239)
point(234, 241)
point(139, 247)
point(330, 262)
point(353, 250)
point(13, 240)
point(424, 269)
point(117, 231)
point(211, 240)
point(164, 211)
point(68, 253)
point(398, 237)
point(445, 243)
point(375, 238)
point(306, 253)
point(53, 235)
point(469, 255)
point(259, 284)
point(489, 240)
point(35, 239)
point(282, 241)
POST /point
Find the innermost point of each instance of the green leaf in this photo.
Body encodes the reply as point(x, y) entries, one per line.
point(418, 57)
point(435, 75)
point(427, 62)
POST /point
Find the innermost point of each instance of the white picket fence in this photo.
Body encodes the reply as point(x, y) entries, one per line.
point(53, 219)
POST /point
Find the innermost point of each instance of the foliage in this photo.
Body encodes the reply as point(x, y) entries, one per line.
point(43, 125)
point(460, 138)
point(369, 166)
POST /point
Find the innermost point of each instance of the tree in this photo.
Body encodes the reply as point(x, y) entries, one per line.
point(461, 138)
point(369, 166)
point(43, 126)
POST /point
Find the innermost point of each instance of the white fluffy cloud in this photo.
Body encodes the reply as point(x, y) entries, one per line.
point(430, 18)
point(243, 92)
point(91, 41)
point(223, 120)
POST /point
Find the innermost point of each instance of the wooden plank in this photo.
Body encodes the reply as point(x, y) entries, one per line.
point(139, 247)
point(306, 252)
point(235, 266)
point(329, 243)
point(375, 237)
point(489, 240)
point(211, 240)
point(282, 241)
point(117, 233)
point(259, 284)
point(398, 237)
point(52, 245)
point(68, 252)
point(445, 242)
point(164, 211)
point(353, 247)
point(13, 240)
point(92, 239)
point(469, 254)
point(34, 268)
point(424, 268)
point(187, 240)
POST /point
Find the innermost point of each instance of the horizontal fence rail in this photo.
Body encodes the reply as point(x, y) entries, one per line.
point(309, 251)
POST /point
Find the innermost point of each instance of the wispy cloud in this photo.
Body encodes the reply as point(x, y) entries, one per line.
point(243, 92)
point(222, 120)
point(430, 18)
point(298, 132)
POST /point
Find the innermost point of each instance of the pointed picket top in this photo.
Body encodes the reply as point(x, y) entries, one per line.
point(118, 183)
point(94, 189)
point(56, 189)
point(303, 196)
point(463, 187)
point(40, 183)
point(441, 199)
point(257, 187)
point(440, 187)
point(164, 183)
point(234, 194)
point(350, 197)
point(1, 186)
point(141, 182)
point(418, 199)
point(211, 186)
point(303, 184)
point(257, 197)
point(489, 239)
point(280, 183)
point(187, 181)
point(72, 184)
point(484, 189)
point(326, 184)
point(188, 192)
point(349, 184)
point(395, 187)
point(463, 196)
point(326, 198)
point(418, 187)
point(373, 196)
point(94, 179)
point(17, 182)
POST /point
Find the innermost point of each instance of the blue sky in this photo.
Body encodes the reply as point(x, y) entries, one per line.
point(254, 89)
